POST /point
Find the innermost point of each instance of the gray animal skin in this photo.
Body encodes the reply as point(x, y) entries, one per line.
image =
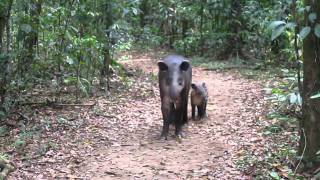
point(199, 99)
point(175, 74)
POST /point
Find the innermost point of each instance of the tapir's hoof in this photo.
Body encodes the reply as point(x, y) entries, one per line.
point(179, 138)
point(163, 137)
point(203, 117)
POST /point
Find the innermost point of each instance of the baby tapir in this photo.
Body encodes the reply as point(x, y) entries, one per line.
point(174, 75)
point(199, 98)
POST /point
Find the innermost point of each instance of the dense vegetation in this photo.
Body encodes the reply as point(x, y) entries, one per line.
point(61, 43)
point(73, 42)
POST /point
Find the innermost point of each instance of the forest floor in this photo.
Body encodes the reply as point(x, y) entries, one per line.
point(118, 137)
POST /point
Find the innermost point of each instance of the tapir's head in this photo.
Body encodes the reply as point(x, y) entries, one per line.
point(174, 76)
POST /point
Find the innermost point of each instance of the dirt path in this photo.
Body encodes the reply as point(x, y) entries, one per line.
point(119, 137)
point(210, 147)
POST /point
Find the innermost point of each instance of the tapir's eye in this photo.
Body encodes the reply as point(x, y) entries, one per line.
point(180, 82)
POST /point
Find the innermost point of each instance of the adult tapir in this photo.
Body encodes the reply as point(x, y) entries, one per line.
point(175, 74)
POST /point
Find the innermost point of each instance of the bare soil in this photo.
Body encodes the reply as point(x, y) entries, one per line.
point(119, 137)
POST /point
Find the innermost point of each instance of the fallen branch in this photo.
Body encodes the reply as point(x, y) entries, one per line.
point(33, 103)
point(75, 104)
point(105, 115)
point(50, 103)
point(5, 168)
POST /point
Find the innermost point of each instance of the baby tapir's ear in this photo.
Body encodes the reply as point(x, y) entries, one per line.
point(193, 86)
point(204, 85)
point(162, 66)
point(184, 66)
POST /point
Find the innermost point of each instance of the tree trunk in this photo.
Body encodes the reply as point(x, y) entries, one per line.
point(4, 21)
point(236, 24)
point(104, 73)
point(184, 29)
point(31, 38)
point(145, 9)
point(80, 59)
point(2, 27)
point(4, 24)
point(310, 123)
point(105, 69)
point(172, 29)
point(201, 13)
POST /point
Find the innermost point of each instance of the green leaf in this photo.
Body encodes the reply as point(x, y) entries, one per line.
point(69, 60)
point(312, 17)
point(2, 114)
point(276, 24)
point(308, 8)
point(277, 32)
point(70, 80)
point(293, 98)
point(274, 175)
point(315, 96)
point(317, 30)
point(304, 32)
point(135, 11)
point(68, 35)
point(26, 28)
point(291, 25)
point(276, 91)
point(301, 10)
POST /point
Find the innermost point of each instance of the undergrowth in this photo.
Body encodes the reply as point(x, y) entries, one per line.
point(280, 128)
point(278, 159)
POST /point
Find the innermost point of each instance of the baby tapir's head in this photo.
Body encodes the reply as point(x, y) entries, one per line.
point(199, 88)
point(199, 93)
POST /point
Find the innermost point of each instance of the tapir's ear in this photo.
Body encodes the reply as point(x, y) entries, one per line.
point(162, 66)
point(193, 86)
point(203, 84)
point(184, 66)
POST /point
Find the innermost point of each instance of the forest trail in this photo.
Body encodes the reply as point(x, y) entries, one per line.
point(119, 137)
point(211, 146)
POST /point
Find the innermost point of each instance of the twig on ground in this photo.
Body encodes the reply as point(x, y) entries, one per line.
point(304, 149)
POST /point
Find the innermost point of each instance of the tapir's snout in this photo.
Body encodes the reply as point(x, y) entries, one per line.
point(174, 94)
